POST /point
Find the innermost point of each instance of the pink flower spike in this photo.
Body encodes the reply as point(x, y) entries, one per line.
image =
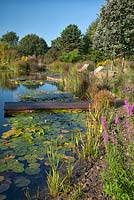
point(126, 102)
point(104, 122)
point(105, 137)
point(104, 126)
point(116, 120)
point(130, 110)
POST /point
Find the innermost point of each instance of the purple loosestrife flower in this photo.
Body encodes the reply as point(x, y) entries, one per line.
point(104, 126)
point(116, 120)
point(129, 108)
point(104, 123)
point(129, 128)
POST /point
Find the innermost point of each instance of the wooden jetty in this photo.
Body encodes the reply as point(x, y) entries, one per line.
point(15, 107)
point(54, 79)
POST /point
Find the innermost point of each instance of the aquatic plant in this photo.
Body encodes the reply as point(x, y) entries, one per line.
point(54, 179)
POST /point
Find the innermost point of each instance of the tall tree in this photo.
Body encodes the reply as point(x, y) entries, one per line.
point(115, 31)
point(70, 38)
point(56, 43)
point(88, 37)
point(10, 38)
point(31, 44)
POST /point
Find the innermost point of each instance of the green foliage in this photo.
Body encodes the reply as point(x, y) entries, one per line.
point(114, 34)
point(87, 39)
point(7, 54)
point(70, 38)
point(97, 56)
point(32, 45)
point(118, 178)
point(52, 55)
point(55, 180)
point(10, 38)
point(56, 43)
point(70, 57)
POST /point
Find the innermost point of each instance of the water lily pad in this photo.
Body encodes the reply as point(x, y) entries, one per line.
point(3, 197)
point(4, 187)
point(31, 158)
point(31, 171)
point(3, 167)
point(2, 178)
point(22, 181)
point(15, 166)
point(34, 165)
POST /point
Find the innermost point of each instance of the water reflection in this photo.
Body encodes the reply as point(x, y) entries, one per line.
point(13, 84)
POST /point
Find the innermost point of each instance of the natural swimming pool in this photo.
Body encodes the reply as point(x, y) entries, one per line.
point(26, 138)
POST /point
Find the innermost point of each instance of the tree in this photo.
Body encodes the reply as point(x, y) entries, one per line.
point(7, 54)
point(31, 44)
point(88, 37)
point(56, 43)
point(115, 31)
point(70, 38)
point(11, 39)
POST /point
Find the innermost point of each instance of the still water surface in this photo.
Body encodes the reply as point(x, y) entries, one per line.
point(23, 158)
point(7, 94)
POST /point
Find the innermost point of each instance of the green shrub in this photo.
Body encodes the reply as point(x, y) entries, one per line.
point(70, 57)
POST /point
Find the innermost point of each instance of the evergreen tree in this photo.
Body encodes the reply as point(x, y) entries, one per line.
point(70, 38)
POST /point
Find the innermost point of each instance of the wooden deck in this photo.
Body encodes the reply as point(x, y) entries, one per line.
point(15, 107)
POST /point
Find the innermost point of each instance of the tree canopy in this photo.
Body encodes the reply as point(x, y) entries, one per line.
point(115, 31)
point(32, 44)
point(70, 38)
point(87, 40)
point(10, 38)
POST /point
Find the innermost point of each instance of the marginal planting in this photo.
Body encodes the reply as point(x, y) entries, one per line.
point(118, 176)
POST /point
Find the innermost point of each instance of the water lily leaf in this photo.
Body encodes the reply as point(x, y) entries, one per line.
point(31, 158)
point(31, 171)
point(2, 178)
point(15, 166)
point(22, 181)
point(13, 132)
point(34, 165)
point(4, 187)
point(65, 131)
point(21, 158)
point(5, 125)
point(3, 197)
point(3, 167)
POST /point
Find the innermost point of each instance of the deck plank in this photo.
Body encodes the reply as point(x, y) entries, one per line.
point(15, 107)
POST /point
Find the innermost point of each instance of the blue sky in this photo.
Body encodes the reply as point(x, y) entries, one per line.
point(46, 18)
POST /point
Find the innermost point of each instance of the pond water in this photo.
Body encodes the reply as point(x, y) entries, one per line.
point(11, 94)
point(26, 138)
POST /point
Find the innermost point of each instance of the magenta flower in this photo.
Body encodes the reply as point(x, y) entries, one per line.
point(116, 120)
point(129, 128)
point(104, 123)
point(104, 126)
point(126, 102)
point(129, 108)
